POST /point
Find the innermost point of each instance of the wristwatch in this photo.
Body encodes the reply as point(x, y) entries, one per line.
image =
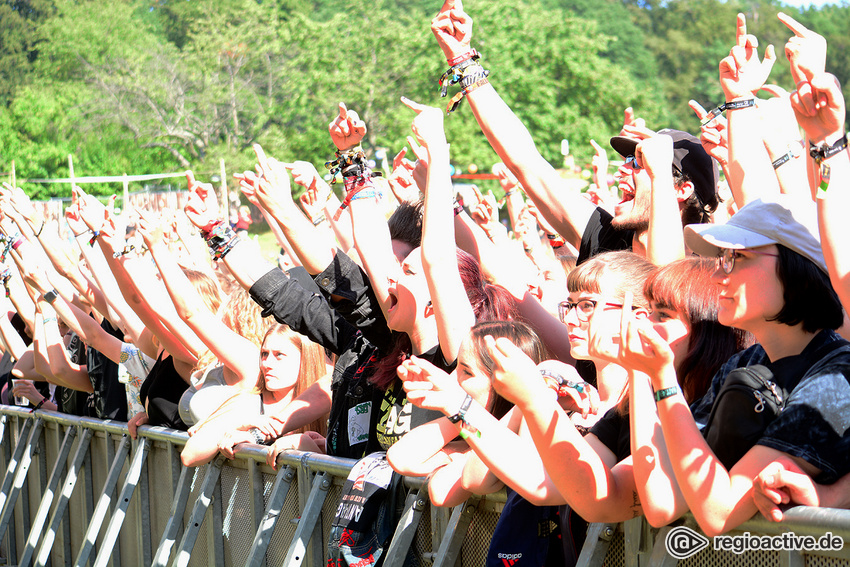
point(50, 296)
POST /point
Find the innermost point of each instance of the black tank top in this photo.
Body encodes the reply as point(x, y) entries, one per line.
point(161, 392)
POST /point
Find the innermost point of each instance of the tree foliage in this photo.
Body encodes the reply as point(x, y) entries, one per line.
point(173, 84)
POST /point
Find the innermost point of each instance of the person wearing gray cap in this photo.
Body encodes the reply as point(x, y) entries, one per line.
point(772, 281)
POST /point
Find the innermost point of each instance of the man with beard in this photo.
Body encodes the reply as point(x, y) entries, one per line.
point(582, 224)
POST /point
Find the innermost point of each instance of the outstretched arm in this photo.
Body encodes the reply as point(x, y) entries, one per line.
point(567, 211)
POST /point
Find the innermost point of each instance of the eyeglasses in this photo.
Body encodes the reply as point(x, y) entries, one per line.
point(727, 256)
point(632, 161)
point(584, 308)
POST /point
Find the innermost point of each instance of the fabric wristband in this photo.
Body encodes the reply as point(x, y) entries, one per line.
point(733, 105)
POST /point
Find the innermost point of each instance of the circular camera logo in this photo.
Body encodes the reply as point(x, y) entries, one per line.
point(683, 542)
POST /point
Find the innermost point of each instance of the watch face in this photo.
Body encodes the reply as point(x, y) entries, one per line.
point(795, 149)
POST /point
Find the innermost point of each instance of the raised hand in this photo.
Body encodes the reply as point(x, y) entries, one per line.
point(806, 51)
point(202, 206)
point(631, 123)
point(714, 135)
point(150, 228)
point(515, 376)
point(453, 29)
point(655, 154)
point(429, 387)
point(741, 73)
point(427, 125)
point(91, 210)
point(401, 180)
point(21, 202)
point(575, 394)
point(599, 163)
point(347, 130)
point(248, 181)
point(819, 108)
point(273, 189)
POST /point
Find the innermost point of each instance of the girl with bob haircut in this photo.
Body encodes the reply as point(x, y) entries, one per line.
point(769, 261)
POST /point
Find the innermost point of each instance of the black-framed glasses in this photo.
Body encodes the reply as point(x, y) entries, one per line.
point(726, 258)
point(584, 308)
point(632, 162)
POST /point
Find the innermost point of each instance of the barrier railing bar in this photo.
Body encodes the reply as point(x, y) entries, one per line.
point(199, 510)
point(659, 556)
point(20, 475)
point(49, 493)
point(103, 502)
point(110, 538)
point(12, 467)
point(277, 497)
point(144, 512)
point(596, 544)
point(309, 517)
point(791, 558)
point(637, 541)
point(109, 444)
point(455, 533)
point(178, 508)
point(258, 505)
point(314, 554)
point(215, 529)
point(68, 486)
point(402, 539)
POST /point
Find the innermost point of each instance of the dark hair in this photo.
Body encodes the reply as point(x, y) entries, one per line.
point(489, 302)
point(685, 287)
point(695, 210)
point(406, 223)
point(809, 296)
point(521, 335)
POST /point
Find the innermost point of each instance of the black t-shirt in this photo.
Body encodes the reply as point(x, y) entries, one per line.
point(396, 415)
point(73, 402)
point(161, 392)
point(599, 236)
point(110, 395)
point(613, 430)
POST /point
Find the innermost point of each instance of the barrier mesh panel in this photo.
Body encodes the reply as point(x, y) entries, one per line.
point(477, 540)
point(709, 557)
point(616, 552)
point(823, 561)
point(237, 519)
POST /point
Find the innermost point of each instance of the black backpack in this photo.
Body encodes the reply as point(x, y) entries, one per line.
point(751, 398)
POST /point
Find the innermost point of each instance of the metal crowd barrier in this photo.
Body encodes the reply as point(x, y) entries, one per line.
point(79, 491)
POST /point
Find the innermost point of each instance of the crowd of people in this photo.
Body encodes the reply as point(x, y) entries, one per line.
point(671, 342)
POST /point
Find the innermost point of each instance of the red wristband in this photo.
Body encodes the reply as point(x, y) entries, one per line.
point(463, 57)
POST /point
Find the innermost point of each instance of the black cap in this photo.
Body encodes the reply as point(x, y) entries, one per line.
point(689, 157)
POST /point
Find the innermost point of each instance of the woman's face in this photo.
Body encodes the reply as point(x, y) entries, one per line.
point(280, 361)
point(605, 317)
point(471, 377)
point(673, 327)
point(752, 294)
point(409, 294)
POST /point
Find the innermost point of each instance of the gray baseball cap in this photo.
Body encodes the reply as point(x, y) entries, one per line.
point(786, 220)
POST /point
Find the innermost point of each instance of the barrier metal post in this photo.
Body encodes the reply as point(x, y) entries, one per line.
point(12, 467)
point(175, 520)
point(104, 500)
point(452, 542)
point(199, 510)
point(280, 490)
point(20, 475)
point(62, 504)
point(47, 499)
point(307, 523)
point(120, 512)
point(408, 524)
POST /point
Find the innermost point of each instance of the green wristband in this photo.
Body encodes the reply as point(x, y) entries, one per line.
point(666, 393)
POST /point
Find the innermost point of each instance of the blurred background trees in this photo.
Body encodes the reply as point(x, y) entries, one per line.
point(138, 87)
